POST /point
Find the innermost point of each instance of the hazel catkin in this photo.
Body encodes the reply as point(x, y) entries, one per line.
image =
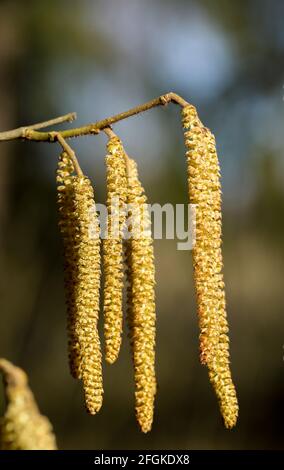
point(141, 311)
point(205, 194)
point(22, 427)
point(80, 230)
point(113, 248)
point(67, 225)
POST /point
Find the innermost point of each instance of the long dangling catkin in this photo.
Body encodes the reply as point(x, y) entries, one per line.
point(22, 427)
point(113, 248)
point(205, 193)
point(141, 312)
point(67, 225)
point(80, 230)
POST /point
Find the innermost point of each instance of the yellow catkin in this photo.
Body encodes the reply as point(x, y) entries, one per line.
point(80, 229)
point(67, 225)
point(22, 427)
point(141, 312)
point(205, 193)
point(113, 248)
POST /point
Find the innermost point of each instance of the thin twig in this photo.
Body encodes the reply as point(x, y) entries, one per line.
point(20, 132)
point(94, 128)
point(68, 150)
point(70, 117)
point(109, 132)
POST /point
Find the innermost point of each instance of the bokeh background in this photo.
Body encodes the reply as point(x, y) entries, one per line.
point(99, 58)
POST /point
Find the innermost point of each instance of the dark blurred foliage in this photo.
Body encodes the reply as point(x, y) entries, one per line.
point(99, 58)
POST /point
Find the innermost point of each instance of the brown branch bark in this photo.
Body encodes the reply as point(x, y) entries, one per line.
point(20, 132)
point(31, 132)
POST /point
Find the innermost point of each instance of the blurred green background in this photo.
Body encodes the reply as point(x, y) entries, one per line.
point(99, 58)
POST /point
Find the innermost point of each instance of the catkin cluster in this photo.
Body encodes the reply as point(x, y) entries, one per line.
point(127, 209)
point(113, 248)
point(80, 231)
point(205, 193)
point(141, 314)
point(22, 427)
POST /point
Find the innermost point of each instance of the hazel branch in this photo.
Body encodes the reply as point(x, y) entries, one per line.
point(31, 132)
point(20, 132)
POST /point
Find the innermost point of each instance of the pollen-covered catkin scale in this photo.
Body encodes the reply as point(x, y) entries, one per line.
point(141, 312)
point(113, 248)
point(205, 193)
point(80, 230)
point(22, 427)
